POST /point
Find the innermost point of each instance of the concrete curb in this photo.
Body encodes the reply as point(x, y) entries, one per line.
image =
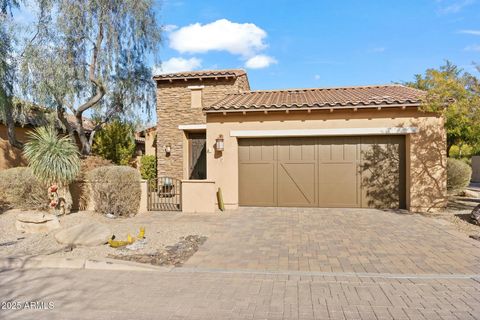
point(41, 262)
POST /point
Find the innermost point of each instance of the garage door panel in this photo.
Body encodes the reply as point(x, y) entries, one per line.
point(297, 184)
point(257, 150)
point(338, 185)
point(382, 169)
point(303, 149)
point(323, 171)
point(257, 184)
point(338, 149)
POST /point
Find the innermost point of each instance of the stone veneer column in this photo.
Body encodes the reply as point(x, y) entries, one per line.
point(174, 109)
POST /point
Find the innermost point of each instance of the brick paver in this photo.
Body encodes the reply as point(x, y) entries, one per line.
point(265, 263)
point(336, 240)
point(89, 294)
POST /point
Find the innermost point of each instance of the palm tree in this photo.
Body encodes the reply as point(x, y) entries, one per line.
point(54, 160)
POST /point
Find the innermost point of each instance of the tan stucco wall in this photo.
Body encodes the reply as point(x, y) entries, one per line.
point(150, 145)
point(426, 152)
point(174, 108)
point(476, 168)
point(198, 196)
point(11, 157)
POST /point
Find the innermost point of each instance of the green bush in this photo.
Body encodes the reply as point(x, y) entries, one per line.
point(20, 189)
point(115, 142)
point(458, 175)
point(464, 151)
point(148, 167)
point(115, 190)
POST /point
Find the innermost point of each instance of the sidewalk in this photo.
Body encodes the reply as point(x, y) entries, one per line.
point(41, 262)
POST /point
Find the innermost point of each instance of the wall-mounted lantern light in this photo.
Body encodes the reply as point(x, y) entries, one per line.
point(168, 149)
point(219, 145)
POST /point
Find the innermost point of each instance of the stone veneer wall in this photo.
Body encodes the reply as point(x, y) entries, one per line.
point(174, 109)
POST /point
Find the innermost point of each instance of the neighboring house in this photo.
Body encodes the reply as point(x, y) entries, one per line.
point(145, 142)
point(367, 146)
point(12, 157)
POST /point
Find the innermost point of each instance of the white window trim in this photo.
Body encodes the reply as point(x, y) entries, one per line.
point(195, 87)
point(323, 132)
point(190, 127)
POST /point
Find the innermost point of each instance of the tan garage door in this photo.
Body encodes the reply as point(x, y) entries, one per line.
point(323, 172)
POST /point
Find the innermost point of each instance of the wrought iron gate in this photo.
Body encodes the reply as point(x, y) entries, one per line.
point(165, 194)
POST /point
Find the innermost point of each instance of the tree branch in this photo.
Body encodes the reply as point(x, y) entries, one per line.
point(12, 139)
point(100, 92)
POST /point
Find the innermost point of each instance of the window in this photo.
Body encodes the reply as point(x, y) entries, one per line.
point(196, 96)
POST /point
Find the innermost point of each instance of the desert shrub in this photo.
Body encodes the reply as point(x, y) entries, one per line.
point(458, 175)
point(148, 167)
point(464, 151)
point(53, 159)
point(115, 190)
point(92, 162)
point(116, 142)
point(81, 194)
point(20, 189)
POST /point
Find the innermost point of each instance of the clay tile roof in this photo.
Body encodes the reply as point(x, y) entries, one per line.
point(200, 74)
point(87, 123)
point(343, 97)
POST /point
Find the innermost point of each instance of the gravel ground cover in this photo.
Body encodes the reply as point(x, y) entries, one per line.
point(162, 229)
point(174, 255)
point(458, 213)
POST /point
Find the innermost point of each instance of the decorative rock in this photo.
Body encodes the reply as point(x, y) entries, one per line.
point(137, 245)
point(476, 214)
point(85, 234)
point(472, 194)
point(36, 222)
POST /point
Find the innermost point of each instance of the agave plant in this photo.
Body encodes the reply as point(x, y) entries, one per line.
point(54, 160)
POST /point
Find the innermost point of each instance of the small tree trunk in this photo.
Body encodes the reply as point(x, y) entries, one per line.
point(67, 196)
point(12, 139)
point(449, 146)
point(86, 146)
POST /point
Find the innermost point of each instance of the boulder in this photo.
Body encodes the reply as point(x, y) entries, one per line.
point(472, 194)
point(85, 234)
point(476, 214)
point(36, 222)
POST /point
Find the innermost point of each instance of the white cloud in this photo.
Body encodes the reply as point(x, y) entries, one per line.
point(453, 6)
point(260, 61)
point(169, 27)
point(173, 65)
point(471, 32)
point(245, 39)
point(474, 47)
point(316, 77)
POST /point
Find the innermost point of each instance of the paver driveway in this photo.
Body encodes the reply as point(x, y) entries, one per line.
point(330, 264)
point(337, 240)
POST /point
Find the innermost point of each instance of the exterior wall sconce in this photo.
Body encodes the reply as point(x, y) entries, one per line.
point(168, 149)
point(219, 143)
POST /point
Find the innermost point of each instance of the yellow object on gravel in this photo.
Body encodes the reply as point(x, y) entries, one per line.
point(130, 239)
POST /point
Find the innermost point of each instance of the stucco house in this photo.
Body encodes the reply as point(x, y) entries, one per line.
point(11, 157)
point(145, 143)
point(365, 146)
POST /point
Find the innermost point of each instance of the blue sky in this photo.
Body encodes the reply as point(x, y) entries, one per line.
point(295, 44)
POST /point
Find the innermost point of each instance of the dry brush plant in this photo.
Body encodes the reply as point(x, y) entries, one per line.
point(116, 190)
point(458, 175)
point(20, 189)
point(82, 188)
